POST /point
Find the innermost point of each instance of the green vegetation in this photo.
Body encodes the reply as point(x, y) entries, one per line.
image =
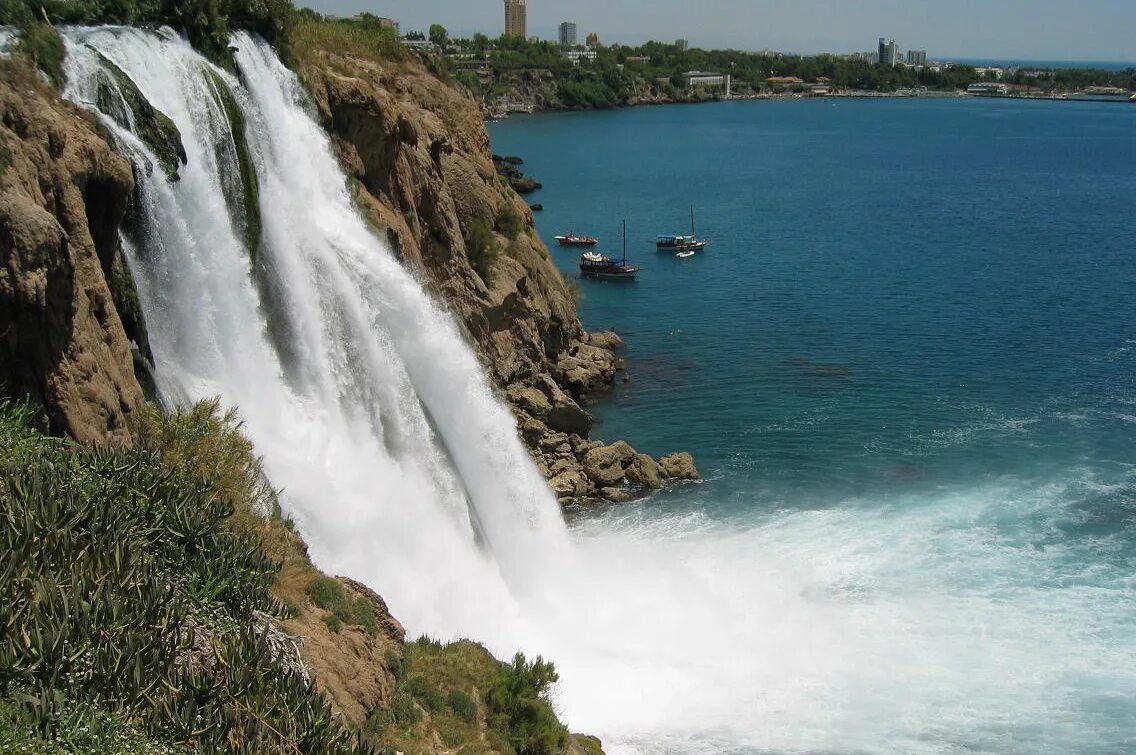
point(460, 685)
point(207, 23)
point(328, 594)
point(310, 34)
point(131, 598)
point(481, 248)
point(42, 45)
point(520, 710)
point(509, 222)
point(621, 73)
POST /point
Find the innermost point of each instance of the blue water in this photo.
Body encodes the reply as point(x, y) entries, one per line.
point(907, 364)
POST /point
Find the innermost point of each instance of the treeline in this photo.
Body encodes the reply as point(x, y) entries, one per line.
point(619, 71)
point(207, 23)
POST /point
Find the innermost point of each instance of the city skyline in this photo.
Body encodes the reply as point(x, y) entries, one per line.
point(1099, 30)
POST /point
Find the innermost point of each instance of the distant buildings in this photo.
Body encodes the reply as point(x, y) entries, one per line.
point(916, 57)
point(708, 80)
point(784, 82)
point(567, 34)
point(889, 52)
point(516, 22)
point(593, 40)
point(682, 44)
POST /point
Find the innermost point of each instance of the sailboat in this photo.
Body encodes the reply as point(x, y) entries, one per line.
point(596, 265)
point(683, 243)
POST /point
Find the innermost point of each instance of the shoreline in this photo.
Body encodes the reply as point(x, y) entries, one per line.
point(851, 95)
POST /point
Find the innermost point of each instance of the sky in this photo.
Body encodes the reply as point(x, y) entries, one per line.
point(999, 29)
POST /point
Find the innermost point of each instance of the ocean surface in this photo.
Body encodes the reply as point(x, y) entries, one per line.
point(906, 365)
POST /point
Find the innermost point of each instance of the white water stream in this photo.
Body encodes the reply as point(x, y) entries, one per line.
point(839, 631)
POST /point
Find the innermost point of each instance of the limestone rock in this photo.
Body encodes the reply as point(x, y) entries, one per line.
point(645, 471)
point(616, 495)
point(570, 483)
point(679, 466)
point(531, 400)
point(605, 339)
point(63, 194)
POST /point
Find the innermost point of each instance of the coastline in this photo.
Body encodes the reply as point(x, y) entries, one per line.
point(849, 95)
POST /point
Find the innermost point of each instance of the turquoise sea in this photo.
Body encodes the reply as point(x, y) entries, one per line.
point(906, 365)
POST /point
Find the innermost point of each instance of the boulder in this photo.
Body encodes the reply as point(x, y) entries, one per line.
point(605, 339)
point(570, 484)
point(645, 471)
point(603, 464)
point(568, 417)
point(616, 495)
point(531, 400)
point(679, 466)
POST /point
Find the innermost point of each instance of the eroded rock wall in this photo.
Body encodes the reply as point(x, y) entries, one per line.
point(63, 194)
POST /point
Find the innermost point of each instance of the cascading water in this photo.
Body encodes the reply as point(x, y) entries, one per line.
point(850, 630)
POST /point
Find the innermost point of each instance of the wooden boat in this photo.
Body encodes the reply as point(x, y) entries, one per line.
point(572, 239)
point(596, 265)
point(681, 243)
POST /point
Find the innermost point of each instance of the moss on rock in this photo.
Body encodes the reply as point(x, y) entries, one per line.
point(132, 109)
point(246, 185)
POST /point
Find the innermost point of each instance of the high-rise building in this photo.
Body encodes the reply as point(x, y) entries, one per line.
point(682, 45)
point(916, 57)
point(889, 52)
point(515, 20)
point(567, 34)
point(593, 39)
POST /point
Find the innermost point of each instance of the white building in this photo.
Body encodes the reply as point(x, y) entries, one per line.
point(577, 55)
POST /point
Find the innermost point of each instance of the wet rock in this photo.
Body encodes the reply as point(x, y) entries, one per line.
point(616, 495)
point(679, 466)
point(606, 339)
point(646, 472)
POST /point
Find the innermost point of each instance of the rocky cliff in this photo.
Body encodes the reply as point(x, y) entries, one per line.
point(417, 149)
point(66, 297)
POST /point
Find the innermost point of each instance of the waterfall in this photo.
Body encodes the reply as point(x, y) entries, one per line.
point(372, 414)
point(896, 627)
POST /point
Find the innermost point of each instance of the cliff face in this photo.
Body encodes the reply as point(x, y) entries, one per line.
point(420, 156)
point(63, 282)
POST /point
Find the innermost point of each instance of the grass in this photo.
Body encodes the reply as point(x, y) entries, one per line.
point(482, 249)
point(509, 222)
point(110, 555)
point(41, 44)
point(309, 35)
point(328, 594)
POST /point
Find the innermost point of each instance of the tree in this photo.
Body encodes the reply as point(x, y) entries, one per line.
point(439, 35)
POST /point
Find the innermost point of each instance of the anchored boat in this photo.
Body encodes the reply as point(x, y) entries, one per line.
point(596, 265)
point(679, 244)
point(572, 239)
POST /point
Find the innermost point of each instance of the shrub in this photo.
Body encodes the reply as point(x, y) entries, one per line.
point(520, 710)
point(425, 693)
point(509, 222)
point(333, 622)
point(42, 44)
point(462, 705)
point(481, 248)
point(328, 594)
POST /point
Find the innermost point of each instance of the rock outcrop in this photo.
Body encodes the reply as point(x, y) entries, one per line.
point(418, 153)
point(67, 300)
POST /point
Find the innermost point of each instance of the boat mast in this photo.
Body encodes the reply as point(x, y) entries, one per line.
point(692, 221)
point(624, 260)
